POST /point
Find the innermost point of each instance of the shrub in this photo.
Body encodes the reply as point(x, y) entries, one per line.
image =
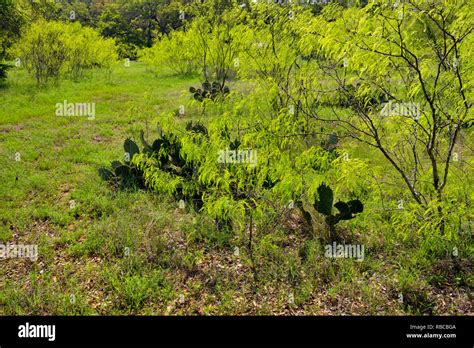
point(43, 50)
point(86, 49)
point(48, 49)
point(178, 52)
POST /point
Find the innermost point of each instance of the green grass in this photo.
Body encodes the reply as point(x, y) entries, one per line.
point(116, 252)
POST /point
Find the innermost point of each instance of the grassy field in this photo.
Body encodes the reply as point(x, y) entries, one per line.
point(103, 251)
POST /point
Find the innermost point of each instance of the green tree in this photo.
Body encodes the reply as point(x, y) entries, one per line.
point(11, 23)
point(415, 55)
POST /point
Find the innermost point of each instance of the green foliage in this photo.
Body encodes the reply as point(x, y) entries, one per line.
point(12, 21)
point(86, 49)
point(177, 51)
point(137, 24)
point(43, 50)
point(401, 53)
point(48, 49)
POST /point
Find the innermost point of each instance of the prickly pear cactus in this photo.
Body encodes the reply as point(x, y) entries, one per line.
point(325, 198)
point(347, 210)
point(210, 91)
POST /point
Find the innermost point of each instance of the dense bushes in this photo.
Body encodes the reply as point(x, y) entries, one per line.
point(178, 52)
point(87, 50)
point(308, 86)
point(43, 50)
point(210, 47)
point(49, 49)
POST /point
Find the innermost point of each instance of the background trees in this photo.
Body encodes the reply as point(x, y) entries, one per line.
point(12, 20)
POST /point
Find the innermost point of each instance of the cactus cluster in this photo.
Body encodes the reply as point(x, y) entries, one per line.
point(209, 90)
point(347, 210)
point(166, 150)
point(196, 128)
point(124, 175)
